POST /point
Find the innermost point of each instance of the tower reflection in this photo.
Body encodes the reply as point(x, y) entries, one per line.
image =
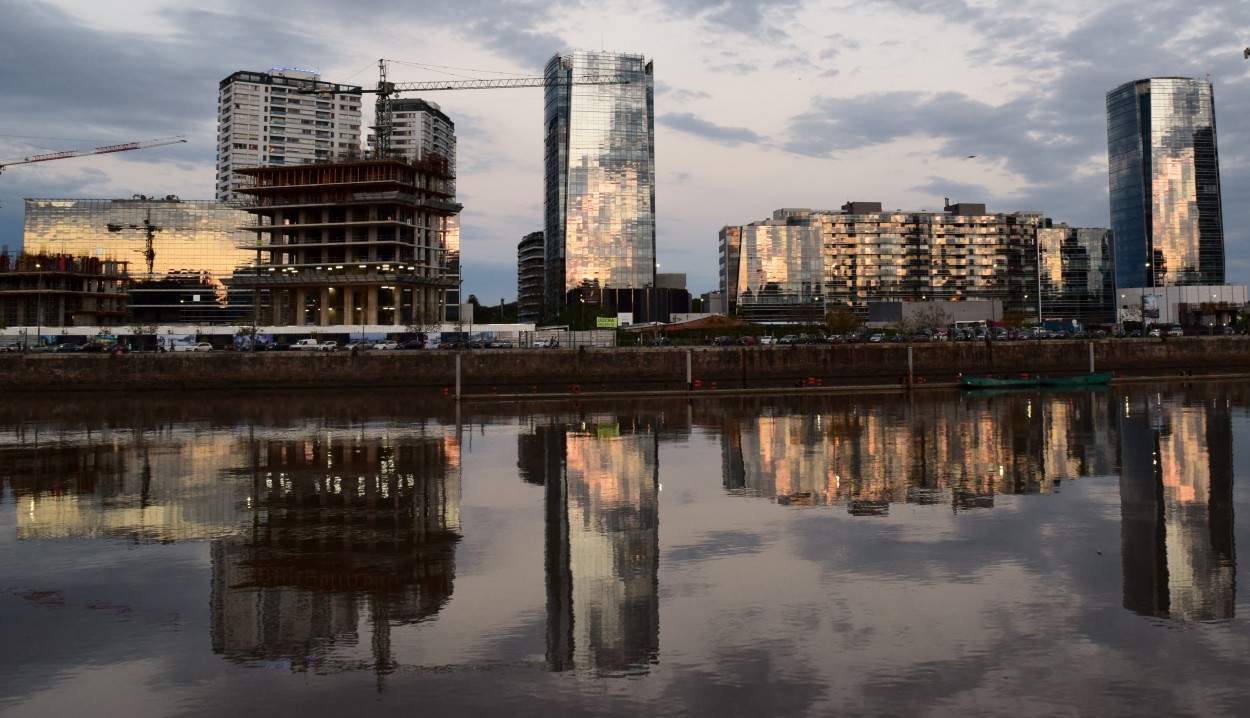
point(602, 555)
point(346, 529)
point(1176, 509)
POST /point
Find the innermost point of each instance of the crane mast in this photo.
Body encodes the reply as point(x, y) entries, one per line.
point(124, 147)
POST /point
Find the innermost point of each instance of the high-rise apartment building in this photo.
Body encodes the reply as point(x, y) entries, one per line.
point(802, 263)
point(1164, 177)
point(600, 174)
point(264, 119)
point(419, 128)
point(529, 278)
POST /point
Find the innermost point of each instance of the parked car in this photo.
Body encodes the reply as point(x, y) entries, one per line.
point(412, 344)
point(766, 340)
point(661, 342)
point(547, 343)
point(1176, 332)
point(330, 346)
point(746, 341)
point(388, 344)
point(358, 346)
point(196, 347)
point(877, 338)
point(66, 348)
point(722, 341)
point(788, 339)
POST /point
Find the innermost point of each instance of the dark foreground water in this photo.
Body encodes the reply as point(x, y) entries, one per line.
point(1006, 554)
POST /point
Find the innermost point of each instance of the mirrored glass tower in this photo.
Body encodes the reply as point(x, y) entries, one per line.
point(1164, 177)
point(600, 174)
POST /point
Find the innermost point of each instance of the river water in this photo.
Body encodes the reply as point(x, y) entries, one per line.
point(1023, 553)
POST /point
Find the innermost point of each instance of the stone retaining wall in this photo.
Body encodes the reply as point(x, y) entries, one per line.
point(511, 371)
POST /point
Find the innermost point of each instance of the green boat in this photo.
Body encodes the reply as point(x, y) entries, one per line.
point(1008, 381)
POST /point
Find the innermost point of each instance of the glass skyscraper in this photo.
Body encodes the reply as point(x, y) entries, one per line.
point(600, 174)
point(1164, 176)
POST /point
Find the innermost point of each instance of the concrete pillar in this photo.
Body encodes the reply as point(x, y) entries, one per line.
point(371, 305)
point(349, 306)
point(323, 314)
point(397, 300)
point(301, 296)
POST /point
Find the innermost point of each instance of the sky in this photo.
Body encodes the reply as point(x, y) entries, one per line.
point(760, 104)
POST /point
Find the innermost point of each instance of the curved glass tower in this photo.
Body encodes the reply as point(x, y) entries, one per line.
point(600, 175)
point(1164, 175)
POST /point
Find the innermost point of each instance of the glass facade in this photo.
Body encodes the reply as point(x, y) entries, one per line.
point(773, 268)
point(1164, 178)
point(1076, 274)
point(600, 174)
point(189, 238)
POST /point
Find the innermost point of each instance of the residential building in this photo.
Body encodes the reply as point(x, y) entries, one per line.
point(419, 128)
point(1164, 176)
point(270, 118)
point(1076, 274)
point(803, 263)
point(600, 175)
point(343, 243)
point(529, 281)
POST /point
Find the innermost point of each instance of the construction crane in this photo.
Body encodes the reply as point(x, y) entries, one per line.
point(385, 90)
point(125, 147)
point(149, 233)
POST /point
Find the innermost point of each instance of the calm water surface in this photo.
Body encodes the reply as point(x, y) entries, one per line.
point(1029, 554)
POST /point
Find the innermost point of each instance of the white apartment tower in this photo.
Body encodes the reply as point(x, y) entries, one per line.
point(263, 120)
point(421, 128)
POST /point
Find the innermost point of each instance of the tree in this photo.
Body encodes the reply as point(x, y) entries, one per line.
point(1014, 318)
point(841, 321)
point(931, 316)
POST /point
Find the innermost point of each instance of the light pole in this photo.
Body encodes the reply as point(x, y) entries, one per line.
point(38, 302)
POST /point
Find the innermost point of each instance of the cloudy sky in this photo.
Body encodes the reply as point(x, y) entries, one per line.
point(760, 104)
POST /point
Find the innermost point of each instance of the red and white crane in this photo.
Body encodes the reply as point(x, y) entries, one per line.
point(124, 147)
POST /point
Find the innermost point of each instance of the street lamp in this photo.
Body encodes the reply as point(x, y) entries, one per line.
point(38, 302)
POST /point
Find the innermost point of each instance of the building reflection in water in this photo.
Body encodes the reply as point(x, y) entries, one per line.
point(342, 524)
point(1174, 462)
point(928, 452)
point(142, 487)
point(1176, 509)
point(601, 486)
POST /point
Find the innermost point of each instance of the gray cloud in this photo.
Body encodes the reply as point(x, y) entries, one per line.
point(692, 125)
point(749, 17)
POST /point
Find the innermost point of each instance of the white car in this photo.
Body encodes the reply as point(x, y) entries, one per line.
point(765, 340)
point(197, 347)
point(386, 345)
point(876, 338)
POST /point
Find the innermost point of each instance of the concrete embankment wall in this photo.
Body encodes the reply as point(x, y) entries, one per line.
point(515, 371)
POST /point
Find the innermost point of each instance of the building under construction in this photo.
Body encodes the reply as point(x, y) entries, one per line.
point(61, 290)
point(370, 242)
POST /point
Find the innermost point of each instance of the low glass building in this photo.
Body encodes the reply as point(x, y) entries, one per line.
point(181, 253)
point(1076, 272)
